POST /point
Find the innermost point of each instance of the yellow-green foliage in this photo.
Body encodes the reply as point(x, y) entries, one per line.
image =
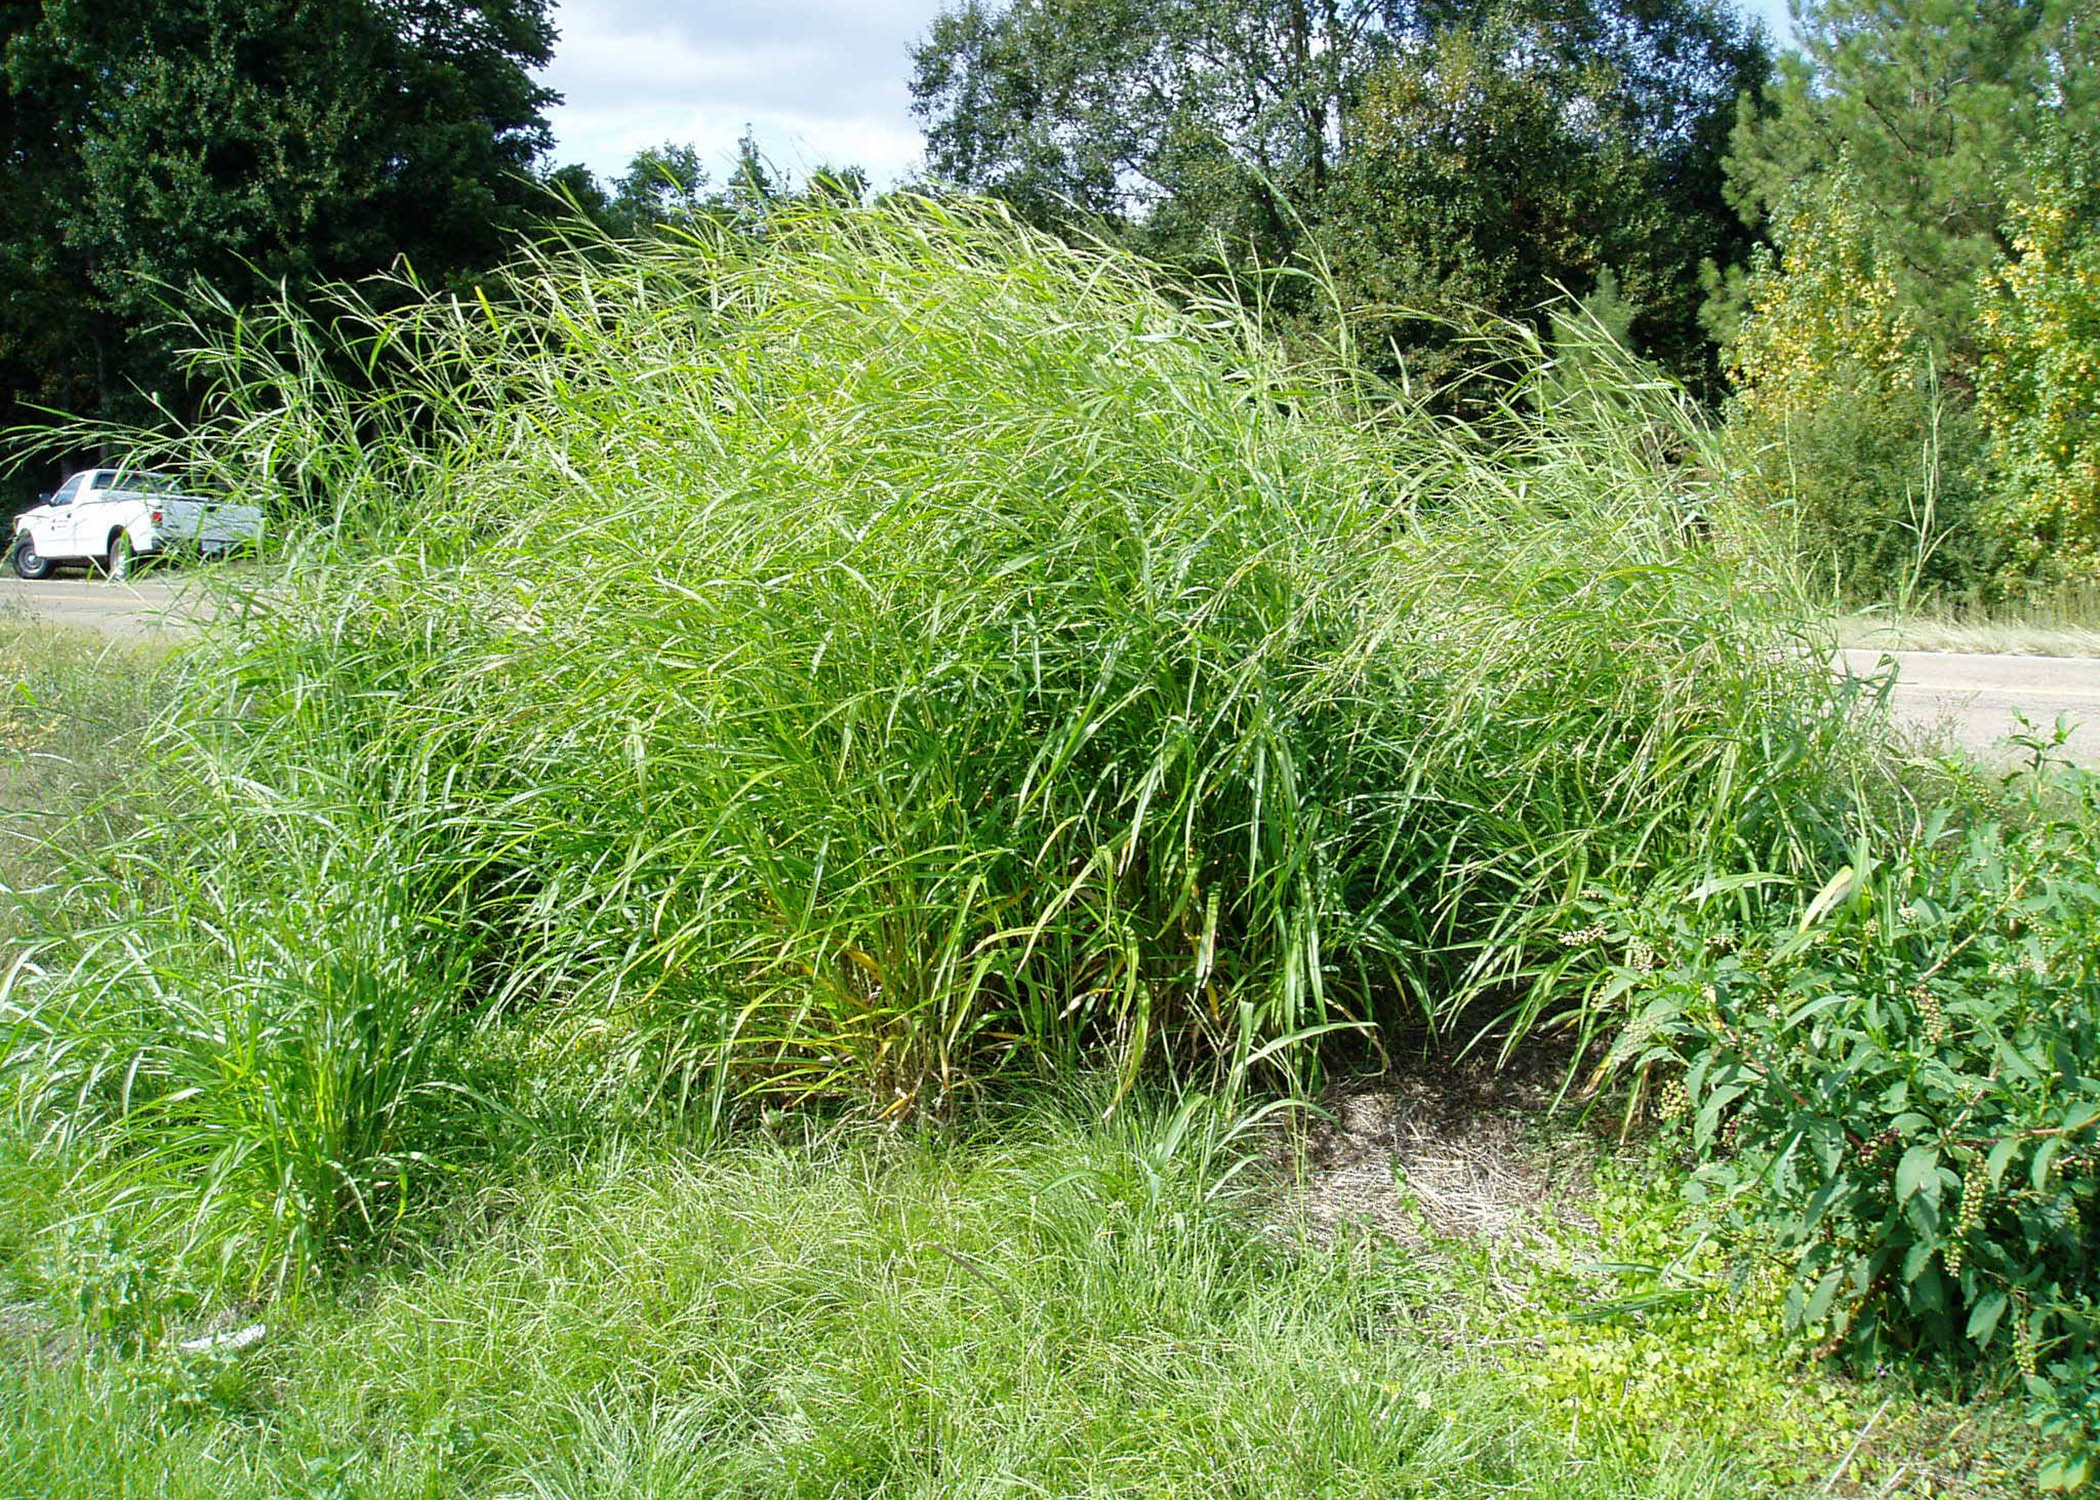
point(1823, 312)
point(1656, 1336)
point(2040, 382)
point(1838, 423)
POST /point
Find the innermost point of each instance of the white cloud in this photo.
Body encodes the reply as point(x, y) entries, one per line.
point(817, 81)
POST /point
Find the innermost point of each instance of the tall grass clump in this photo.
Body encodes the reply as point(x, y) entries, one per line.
point(860, 659)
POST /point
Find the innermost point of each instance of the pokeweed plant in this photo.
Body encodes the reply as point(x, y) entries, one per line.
point(1894, 1082)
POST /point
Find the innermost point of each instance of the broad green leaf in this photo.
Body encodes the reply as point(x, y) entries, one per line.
point(1984, 1316)
point(1825, 1293)
point(1918, 1172)
point(2044, 1158)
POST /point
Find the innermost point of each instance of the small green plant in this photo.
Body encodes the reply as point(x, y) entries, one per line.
point(113, 1289)
point(1031, 1297)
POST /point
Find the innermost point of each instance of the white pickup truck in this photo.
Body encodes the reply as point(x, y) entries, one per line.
point(109, 516)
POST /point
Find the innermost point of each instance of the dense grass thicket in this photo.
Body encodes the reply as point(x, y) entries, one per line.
point(856, 661)
point(897, 657)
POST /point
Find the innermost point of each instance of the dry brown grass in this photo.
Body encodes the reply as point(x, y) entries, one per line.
point(2037, 631)
point(1437, 1150)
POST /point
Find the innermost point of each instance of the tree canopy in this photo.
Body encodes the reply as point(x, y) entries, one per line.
point(1444, 154)
point(665, 188)
point(2039, 381)
point(152, 143)
point(1932, 108)
point(1906, 360)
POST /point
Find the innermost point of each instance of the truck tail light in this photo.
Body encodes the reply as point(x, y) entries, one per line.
point(156, 518)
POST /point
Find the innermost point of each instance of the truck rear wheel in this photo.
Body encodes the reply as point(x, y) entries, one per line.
point(117, 563)
point(30, 563)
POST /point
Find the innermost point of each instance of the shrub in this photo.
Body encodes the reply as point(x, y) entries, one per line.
point(1899, 1081)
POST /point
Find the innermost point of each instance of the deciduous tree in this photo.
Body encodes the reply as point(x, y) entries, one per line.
point(2039, 384)
point(1894, 174)
point(1442, 153)
point(1843, 424)
point(151, 143)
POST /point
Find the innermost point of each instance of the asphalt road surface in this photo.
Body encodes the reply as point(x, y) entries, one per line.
point(1970, 698)
point(1974, 698)
point(136, 610)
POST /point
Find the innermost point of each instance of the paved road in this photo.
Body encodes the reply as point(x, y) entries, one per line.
point(138, 609)
point(1972, 697)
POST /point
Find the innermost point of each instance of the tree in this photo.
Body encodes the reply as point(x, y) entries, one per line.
point(1893, 172)
point(2039, 383)
point(663, 186)
point(1443, 152)
point(666, 187)
point(1508, 156)
point(1843, 426)
point(1931, 106)
point(246, 143)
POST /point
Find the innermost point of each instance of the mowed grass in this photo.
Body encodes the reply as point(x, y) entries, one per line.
point(2013, 636)
point(74, 710)
point(1033, 1305)
point(2059, 621)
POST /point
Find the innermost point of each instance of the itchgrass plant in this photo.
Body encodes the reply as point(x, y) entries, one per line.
point(864, 658)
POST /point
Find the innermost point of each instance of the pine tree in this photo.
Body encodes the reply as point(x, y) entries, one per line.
point(1931, 107)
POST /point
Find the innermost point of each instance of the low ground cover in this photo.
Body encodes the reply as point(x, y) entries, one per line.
point(1039, 1301)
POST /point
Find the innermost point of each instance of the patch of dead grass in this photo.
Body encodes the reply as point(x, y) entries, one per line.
point(1439, 1149)
point(2014, 637)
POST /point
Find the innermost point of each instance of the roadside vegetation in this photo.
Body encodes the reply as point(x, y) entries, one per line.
point(904, 686)
point(1864, 240)
point(1995, 633)
point(1032, 1298)
point(72, 720)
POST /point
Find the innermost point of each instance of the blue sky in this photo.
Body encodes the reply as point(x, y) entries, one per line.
point(818, 81)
